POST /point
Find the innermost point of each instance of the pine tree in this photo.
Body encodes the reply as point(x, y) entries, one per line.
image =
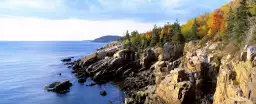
point(169, 34)
point(155, 36)
point(176, 28)
point(241, 21)
point(194, 31)
point(230, 22)
point(128, 41)
point(162, 38)
point(177, 38)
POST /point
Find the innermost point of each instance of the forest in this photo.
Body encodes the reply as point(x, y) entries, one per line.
point(229, 23)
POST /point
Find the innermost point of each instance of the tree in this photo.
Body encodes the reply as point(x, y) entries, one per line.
point(155, 36)
point(194, 31)
point(169, 34)
point(230, 23)
point(135, 37)
point(177, 38)
point(162, 37)
point(128, 41)
point(176, 28)
point(241, 21)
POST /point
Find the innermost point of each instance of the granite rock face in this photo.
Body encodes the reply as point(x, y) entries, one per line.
point(175, 74)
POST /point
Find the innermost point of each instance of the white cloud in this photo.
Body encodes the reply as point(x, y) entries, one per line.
point(35, 4)
point(36, 29)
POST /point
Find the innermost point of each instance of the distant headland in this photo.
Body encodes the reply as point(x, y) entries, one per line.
point(107, 38)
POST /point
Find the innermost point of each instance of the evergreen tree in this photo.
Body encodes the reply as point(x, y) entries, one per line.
point(177, 38)
point(162, 38)
point(176, 28)
point(170, 34)
point(194, 31)
point(155, 36)
point(128, 41)
point(241, 21)
point(230, 22)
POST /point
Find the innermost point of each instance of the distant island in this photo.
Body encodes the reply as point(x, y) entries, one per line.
point(107, 38)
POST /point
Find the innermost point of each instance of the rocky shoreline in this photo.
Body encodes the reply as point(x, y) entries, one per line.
point(174, 74)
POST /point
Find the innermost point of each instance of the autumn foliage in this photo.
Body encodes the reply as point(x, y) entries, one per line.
point(221, 23)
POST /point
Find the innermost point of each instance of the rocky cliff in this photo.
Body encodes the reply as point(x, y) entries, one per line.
point(175, 74)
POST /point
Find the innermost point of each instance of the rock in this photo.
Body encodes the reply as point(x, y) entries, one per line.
point(128, 101)
point(66, 59)
point(243, 56)
point(70, 66)
point(168, 51)
point(210, 58)
point(63, 87)
point(174, 64)
point(52, 86)
point(173, 89)
point(236, 83)
point(159, 72)
point(86, 61)
point(101, 54)
point(175, 93)
point(177, 75)
point(179, 91)
point(81, 80)
point(113, 46)
point(59, 87)
point(139, 80)
point(213, 46)
point(103, 93)
point(110, 102)
point(148, 57)
point(251, 52)
point(125, 54)
point(239, 100)
point(92, 84)
point(158, 51)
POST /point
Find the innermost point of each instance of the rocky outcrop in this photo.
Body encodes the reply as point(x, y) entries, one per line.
point(59, 87)
point(174, 90)
point(67, 59)
point(148, 57)
point(236, 83)
point(236, 80)
point(175, 74)
point(168, 51)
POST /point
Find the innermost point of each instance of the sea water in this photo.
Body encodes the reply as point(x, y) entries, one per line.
point(26, 67)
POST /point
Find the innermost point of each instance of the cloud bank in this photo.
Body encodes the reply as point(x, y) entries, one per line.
point(40, 20)
point(36, 29)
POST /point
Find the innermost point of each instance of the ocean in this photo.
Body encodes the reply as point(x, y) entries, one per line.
point(27, 67)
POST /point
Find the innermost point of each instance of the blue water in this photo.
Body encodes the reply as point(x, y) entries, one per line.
point(26, 67)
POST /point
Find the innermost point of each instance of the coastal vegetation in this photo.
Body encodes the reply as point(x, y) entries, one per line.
point(229, 23)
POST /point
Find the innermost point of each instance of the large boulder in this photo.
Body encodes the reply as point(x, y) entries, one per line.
point(148, 57)
point(125, 54)
point(86, 61)
point(59, 87)
point(236, 83)
point(68, 59)
point(168, 51)
point(251, 52)
point(160, 71)
point(174, 90)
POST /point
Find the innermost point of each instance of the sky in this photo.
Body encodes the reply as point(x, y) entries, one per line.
point(61, 20)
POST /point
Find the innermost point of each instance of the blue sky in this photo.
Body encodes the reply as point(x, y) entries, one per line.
point(112, 16)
